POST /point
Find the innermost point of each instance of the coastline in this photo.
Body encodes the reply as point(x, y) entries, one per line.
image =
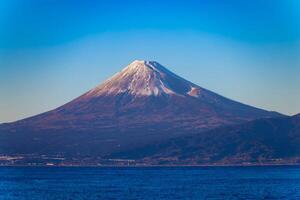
point(154, 166)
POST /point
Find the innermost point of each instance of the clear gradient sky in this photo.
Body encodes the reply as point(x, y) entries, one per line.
point(52, 51)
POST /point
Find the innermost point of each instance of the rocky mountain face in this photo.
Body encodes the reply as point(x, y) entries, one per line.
point(143, 104)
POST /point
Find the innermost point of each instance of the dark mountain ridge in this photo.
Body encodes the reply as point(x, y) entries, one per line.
point(269, 140)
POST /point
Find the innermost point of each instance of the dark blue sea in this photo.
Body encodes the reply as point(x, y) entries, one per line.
point(281, 182)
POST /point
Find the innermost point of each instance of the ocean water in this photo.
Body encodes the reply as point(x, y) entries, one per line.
point(280, 182)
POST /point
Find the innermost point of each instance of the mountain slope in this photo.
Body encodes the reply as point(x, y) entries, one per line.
point(143, 104)
point(272, 140)
point(146, 94)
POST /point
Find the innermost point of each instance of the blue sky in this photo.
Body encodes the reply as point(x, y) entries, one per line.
point(53, 51)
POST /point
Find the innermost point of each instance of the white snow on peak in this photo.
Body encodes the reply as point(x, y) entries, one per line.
point(145, 78)
point(146, 66)
point(194, 92)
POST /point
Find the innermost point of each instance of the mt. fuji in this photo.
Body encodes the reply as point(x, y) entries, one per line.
point(146, 94)
point(143, 103)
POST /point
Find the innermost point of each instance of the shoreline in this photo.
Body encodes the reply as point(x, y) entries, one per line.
point(152, 166)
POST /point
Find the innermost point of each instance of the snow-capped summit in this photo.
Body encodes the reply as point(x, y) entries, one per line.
point(145, 78)
point(145, 94)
